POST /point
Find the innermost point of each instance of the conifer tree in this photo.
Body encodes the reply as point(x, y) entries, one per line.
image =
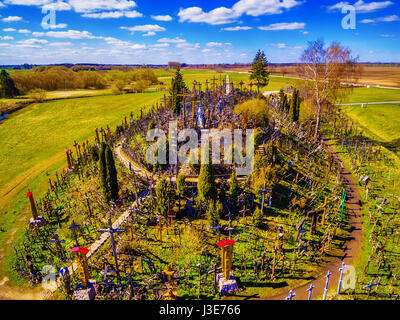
point(259, 70)
point(164, 196)
point(108, 173)
point(7, 86)
point(214, 213)
point(206, 185)
point(112, 177)
point(177, 86)
point(293, 106)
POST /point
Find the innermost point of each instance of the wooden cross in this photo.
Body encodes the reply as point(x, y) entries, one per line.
point(241, 83)
point(164, 101)
point(193, 103)
point(314, 216)
point(83, 269)
point(111, 231)
point(194, 86)
point(213, 81)
point(170, 272)
point(207, 85)
point(160, 229)
point(184, 95)
point(264, 191)
point(251, 86)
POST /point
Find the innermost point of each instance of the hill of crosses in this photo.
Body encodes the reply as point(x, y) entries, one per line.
point(217, 191)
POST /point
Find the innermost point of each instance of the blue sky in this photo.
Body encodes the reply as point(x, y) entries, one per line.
point(225, 31)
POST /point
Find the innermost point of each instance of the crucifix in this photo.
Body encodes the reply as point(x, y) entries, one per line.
point(214, 79)
point(251, 86)
point(326, 284)
point(207, 85)
point(59, 249)
point(314, 216)
point(184, 95)
point(194, 86)
point(310, 289)
point(193, 103)
point(291, 295)
point(241, 83)
point(341, 277)
point(160, 229)
point(73, 227)
point(111, 231)
point(69, 162)
point(370, 285)
point(264, 191)
point(169, 272)
point(164, 101)
point(97, 135)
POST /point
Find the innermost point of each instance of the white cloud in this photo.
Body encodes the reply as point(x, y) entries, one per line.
point(12, 19)
point(169, 40)
point(38, 34)
point(24, 31)
point(279, 45)
point(206, 50)
point(71, 34)
point(6, 38)
point(33, 41)
point(223, 15)
point(28, 2)
point(113, 14)
point(362, 7)
point(162, 18)
point(284, 26)
point(149, 34)
point(95, 5)
point(9, 30)
point(217, 16)
point(218, 44)
point(161, 45)
point(60, 44)
point(238, 28)
point(58, 6)
point(145, 28)
point(382, 19)
point(56, 26)
point(188, 46)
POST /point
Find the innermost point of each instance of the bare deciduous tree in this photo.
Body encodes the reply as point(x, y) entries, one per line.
point(326, 73)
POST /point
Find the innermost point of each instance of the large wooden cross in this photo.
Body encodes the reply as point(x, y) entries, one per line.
point(184, 95)
point(164, 101)
point(314, 216)
point(160, 229)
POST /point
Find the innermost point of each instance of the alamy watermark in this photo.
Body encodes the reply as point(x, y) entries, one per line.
point(349, 20)
point(190, 149)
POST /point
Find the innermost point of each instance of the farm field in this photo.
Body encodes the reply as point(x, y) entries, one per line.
point(33, 140)
point(381, 121)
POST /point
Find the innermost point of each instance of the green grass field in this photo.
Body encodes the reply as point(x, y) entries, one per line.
point(381, 121)
point(373, 94)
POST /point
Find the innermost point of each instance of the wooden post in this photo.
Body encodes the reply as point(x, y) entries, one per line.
point(82, 265)
point(226, 255)
point(33, 205)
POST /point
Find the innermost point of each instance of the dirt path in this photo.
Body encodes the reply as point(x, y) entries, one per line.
point(352, 246)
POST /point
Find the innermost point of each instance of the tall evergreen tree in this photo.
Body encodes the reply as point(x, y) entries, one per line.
point(177, 86)
point(259, 70)
point(206, 185)
point(7, 86)
point(298, 106)
point(112, 177)
point(293, 106)
point(108, 173)
point(164, 196)
point(103, 170)
point(214, 213)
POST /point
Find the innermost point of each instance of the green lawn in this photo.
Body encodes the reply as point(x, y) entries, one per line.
point(381, 121)
point(39, 131)
point(372, 94)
